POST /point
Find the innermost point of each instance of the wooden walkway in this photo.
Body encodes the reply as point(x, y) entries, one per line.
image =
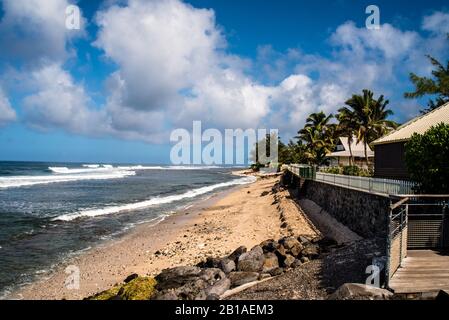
point(422, 271)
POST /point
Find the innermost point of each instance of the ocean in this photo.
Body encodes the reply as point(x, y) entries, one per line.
point(52, 211)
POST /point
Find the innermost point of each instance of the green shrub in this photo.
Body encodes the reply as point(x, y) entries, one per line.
point(427, 159)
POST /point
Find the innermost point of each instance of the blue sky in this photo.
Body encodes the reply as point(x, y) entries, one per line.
point(115, 89)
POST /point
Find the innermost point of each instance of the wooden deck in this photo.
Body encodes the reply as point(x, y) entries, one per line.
point(422, 271)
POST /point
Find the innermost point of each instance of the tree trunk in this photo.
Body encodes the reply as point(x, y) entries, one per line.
point(366, 153)
point(351, 158)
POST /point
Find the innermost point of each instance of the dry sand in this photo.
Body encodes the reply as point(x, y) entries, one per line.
point(242, 216)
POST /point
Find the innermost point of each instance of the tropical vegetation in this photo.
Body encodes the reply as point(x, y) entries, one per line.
point(438, 86)
point(426, 156)
point(363, 119)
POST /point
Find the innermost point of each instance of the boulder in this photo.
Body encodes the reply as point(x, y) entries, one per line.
point(140, 288)
point(269, 245)
point(212, 262)
point(234, 256)
point(297, 263)
point(271, 262)
point(289, 242)
point(296, 250)
point(251, 261)
point(193, 290)
point(303, 239)
point(176, 277)
point(276, 272)
point(130, 277)
point(265, 193)
point(357, 291)
point(288, 261)
point(219, 287)
point(311, 251)
point(239, 278)
point(227, 265)
point(211, 275)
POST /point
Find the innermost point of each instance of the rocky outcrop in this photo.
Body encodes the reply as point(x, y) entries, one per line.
point(357, 291)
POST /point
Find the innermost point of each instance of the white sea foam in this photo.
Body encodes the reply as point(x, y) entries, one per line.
point(153, 201)
point(20, 181)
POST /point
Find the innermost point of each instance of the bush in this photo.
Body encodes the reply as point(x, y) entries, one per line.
point(349, 171)
point(256, 166)
point(427, 159)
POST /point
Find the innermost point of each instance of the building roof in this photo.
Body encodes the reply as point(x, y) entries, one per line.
point(358, 149)
point(417, 125)
point(356, 154)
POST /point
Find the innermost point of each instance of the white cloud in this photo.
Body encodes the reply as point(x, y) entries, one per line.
point(35, 31)
point(438, 22)
point(172, 58)
point(7, 113)
point(59, 102)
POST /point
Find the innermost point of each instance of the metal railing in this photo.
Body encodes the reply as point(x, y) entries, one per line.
point(373, 185)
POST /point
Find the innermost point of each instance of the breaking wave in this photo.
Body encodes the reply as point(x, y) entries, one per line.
point(153, 201)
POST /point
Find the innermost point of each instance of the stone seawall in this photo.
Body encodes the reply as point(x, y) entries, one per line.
point(364, 213)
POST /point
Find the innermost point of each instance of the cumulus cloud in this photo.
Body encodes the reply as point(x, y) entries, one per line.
point(35, 31)
point(59, 102)
point(172, 58)
point(7, 113)
point(438, 22)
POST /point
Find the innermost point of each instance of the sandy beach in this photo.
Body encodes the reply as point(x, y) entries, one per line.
point(245, 215)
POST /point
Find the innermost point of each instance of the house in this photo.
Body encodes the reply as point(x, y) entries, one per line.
point(389, 161)
point(341, 156)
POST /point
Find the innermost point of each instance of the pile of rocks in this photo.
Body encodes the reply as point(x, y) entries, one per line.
point(213, 277)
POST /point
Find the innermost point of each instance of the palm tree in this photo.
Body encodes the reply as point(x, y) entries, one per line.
point(370, 116)
point(347, 125)
point(318, 135)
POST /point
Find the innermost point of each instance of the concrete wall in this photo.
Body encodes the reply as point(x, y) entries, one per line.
point(364, 213)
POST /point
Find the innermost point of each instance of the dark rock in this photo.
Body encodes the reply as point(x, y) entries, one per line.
point(219, 287)
point(212, 275)
point(212, 262)
point(213, 297)
point(327, 242)
point(131, 277)
point(276, 272)
point(297, 263)
point(357, 291)
point(284, 225)
point(227, 265)
point(251, 261)
point(265, 193)
point(176, 277)
point(237, 253)
point(169, 294)
point(304, 259)
point(271, 262)
point(269, 245)
point(311, 251)
point(239, 278)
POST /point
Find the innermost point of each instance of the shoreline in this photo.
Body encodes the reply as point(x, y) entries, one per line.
point(185, 237)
